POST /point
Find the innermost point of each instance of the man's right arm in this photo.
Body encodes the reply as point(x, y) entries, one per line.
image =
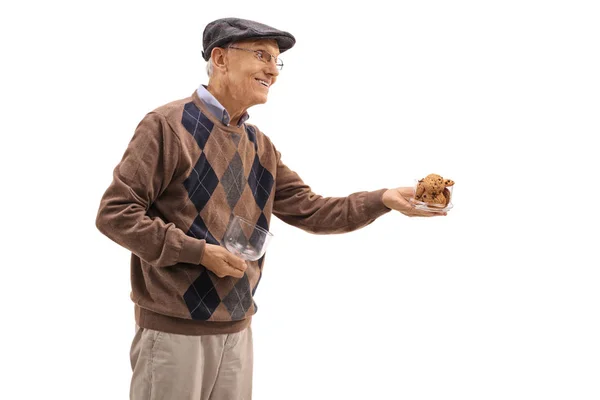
point(147, 168)
point(144, 172)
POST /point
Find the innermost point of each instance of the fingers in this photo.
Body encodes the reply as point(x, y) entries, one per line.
point(234, 272)
point(223, 263)
point(422, 213)
point(234, 266)
point(412, 211)
point(405, 203)
point(227, 269)
point(236, 262)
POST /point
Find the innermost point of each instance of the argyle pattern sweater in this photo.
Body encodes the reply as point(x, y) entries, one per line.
point(182, 178)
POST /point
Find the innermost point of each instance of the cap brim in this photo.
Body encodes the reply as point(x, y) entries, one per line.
point(284, 42)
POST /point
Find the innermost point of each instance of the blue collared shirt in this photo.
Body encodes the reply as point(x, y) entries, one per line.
point(216, 108)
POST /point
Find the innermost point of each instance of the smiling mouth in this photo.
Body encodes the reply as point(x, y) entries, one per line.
point(264, 83)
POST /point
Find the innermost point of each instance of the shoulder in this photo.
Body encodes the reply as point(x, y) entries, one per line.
point(170, 116)
point(174, 109)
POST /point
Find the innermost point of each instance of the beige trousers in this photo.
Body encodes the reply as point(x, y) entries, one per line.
point(167, 366)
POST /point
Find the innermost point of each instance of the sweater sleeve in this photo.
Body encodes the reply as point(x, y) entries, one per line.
point(146, 169)
point(297, 205)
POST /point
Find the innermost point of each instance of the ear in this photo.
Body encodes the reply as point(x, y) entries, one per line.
point(219, 58)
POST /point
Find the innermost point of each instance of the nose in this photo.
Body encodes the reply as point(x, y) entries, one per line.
point(272, 68)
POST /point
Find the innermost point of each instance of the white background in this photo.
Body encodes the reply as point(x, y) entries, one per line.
point(498, 300)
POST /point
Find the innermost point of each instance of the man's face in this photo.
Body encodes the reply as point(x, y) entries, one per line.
point(248, 78)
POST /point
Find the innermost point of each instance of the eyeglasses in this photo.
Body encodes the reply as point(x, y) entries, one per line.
point(263, 56)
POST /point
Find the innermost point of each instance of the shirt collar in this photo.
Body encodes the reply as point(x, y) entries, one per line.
point(216, 108)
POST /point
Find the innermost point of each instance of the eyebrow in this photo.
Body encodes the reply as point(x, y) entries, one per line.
point(261, 49)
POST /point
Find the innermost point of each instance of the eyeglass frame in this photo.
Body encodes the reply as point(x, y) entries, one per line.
point(260, 56)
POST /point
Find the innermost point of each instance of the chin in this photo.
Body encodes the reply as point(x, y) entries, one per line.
point(261, 99)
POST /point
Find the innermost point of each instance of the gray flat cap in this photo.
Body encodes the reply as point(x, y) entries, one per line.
point(227, 30)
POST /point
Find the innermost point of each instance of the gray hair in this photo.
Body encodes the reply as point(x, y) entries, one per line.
point(209, 68)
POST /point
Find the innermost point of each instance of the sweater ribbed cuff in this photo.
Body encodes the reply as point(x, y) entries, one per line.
point(191, 250)
point(373, 206)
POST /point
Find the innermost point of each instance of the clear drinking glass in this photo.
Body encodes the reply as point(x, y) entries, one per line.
point(246, 239)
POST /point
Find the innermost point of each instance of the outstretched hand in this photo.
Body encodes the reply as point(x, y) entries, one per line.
point(399, 199)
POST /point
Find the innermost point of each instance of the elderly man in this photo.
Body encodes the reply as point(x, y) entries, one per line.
point(191, 166)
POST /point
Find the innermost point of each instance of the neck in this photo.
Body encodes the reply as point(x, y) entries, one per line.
point(234, 108)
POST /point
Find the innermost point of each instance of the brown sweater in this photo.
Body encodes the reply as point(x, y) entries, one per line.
point(182, 177)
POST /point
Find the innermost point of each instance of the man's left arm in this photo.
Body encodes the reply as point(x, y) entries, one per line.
point(296, 204)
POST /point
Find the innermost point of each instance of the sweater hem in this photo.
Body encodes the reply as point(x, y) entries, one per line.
point(151, 320)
